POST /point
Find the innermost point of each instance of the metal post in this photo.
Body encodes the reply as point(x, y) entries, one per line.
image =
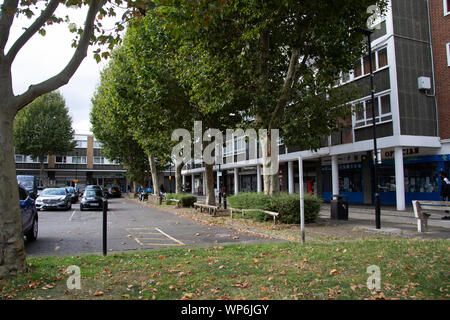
point(104, 228)
point(374, 130)
point(302, 202)
point(218, 187)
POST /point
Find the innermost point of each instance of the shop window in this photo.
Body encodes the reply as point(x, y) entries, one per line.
point(421, 177)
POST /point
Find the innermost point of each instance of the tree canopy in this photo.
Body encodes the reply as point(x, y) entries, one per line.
point(44, 128)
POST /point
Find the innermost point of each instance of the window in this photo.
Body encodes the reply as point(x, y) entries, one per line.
point(448, 53)
point(98, 160)
point(361, 66)
point(60, 159)
point(81, 144)
point(77, 159)
point(382, 58)
point(367, 63)
point(363, 111)
point(97, 145)
point(19, 158)
point(446, 7)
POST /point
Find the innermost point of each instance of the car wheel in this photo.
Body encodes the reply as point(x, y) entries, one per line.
point(33, 233)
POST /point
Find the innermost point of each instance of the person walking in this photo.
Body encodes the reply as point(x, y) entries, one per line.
point(445, 191)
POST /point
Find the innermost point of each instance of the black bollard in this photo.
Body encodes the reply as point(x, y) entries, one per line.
point(104, 227)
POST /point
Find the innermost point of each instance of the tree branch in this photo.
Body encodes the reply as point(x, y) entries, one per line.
point(64, 76)
point(8, 11)
point(31, 31)
point(288, 81)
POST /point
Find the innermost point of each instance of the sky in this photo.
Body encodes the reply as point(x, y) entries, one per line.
point(45, 56)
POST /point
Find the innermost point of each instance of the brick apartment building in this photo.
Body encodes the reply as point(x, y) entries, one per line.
point(411, 76)
point(85, 164)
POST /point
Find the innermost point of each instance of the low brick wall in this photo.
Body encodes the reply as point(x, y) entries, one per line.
point(154, 199)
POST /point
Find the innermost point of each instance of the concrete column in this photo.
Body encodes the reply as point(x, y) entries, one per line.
point(334, 174)
point(204, 183)
point(399, 179)
point(236, 180)
point(258, 178)
point(192, 183)
point(291, 177)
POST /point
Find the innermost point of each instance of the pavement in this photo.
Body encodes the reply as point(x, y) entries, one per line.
point(402, 223)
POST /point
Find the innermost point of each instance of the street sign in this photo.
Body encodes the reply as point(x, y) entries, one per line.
point(75, 180)
point(219, 173)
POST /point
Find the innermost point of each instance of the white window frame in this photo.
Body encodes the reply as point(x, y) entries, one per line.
point(446, 8)
point(22, 157)
point(448, 54)
point(367, 102)
point(361, 61)
point(100, 160)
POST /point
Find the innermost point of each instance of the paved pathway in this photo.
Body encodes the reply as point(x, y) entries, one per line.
point(131, 226)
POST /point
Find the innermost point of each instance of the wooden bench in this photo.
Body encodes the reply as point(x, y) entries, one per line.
point(243, 211)
point(176, 201)
point(211, 209)
point(422, 209)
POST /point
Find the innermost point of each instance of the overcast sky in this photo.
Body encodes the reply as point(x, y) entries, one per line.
point(44, 56)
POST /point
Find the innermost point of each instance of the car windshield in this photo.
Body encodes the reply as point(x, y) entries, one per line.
point(53, 192)
point(93, 193)
point(27, 184)
point(71, 189)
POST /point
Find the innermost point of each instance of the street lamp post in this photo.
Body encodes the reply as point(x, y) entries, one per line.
point(368, 33)
point(218, 187)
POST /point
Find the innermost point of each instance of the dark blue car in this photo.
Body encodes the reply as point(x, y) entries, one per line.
point(29, 215)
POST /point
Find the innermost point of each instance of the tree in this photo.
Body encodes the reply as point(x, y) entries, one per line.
point(44, 128)
point(12, 255)
point(109, 125)
point(286, 55)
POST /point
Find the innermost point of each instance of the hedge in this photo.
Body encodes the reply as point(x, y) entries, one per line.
point(186, 200)
point(287, 205)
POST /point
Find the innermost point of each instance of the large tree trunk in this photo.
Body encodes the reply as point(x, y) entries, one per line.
point(154, 172)
point(12, 253)
point(178, 179)
point(210, 195)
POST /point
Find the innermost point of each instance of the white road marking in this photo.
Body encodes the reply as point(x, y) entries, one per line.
point(70, 219)
point(172, 238)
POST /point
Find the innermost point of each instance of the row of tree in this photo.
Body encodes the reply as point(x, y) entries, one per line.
point(243, 63)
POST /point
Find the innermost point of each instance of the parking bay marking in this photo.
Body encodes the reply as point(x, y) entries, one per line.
point(145, 231)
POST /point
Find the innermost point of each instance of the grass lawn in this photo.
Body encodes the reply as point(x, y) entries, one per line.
point(410, 269)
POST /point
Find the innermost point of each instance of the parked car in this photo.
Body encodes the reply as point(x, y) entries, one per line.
point(93, 198)
point(115, 192)
point(30, 183)
point(73, 194)
point(29, 214)
point(54, 198)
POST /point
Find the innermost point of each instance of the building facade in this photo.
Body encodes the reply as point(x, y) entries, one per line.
point(83, 166)
point(411, 61)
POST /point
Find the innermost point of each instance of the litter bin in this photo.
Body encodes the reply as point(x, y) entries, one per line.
point(339, 207)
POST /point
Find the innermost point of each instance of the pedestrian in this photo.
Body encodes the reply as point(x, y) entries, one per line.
point(445, 191)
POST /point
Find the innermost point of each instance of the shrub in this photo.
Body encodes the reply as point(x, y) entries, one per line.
point(287, 205)
point(186, 200)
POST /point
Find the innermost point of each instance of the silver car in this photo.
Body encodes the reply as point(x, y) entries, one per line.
point(54, 198)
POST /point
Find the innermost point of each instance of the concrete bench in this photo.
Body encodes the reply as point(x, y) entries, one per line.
point(211, 209)
point(423, 208)
point(176, 201)
point(274, 215)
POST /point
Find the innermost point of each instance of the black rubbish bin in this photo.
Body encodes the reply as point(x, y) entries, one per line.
point(339, 207)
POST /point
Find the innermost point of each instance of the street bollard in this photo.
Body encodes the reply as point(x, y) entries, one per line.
point(104, 227)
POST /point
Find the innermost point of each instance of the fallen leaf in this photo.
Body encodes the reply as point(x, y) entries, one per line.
point(334, 272)
point(98, 293)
